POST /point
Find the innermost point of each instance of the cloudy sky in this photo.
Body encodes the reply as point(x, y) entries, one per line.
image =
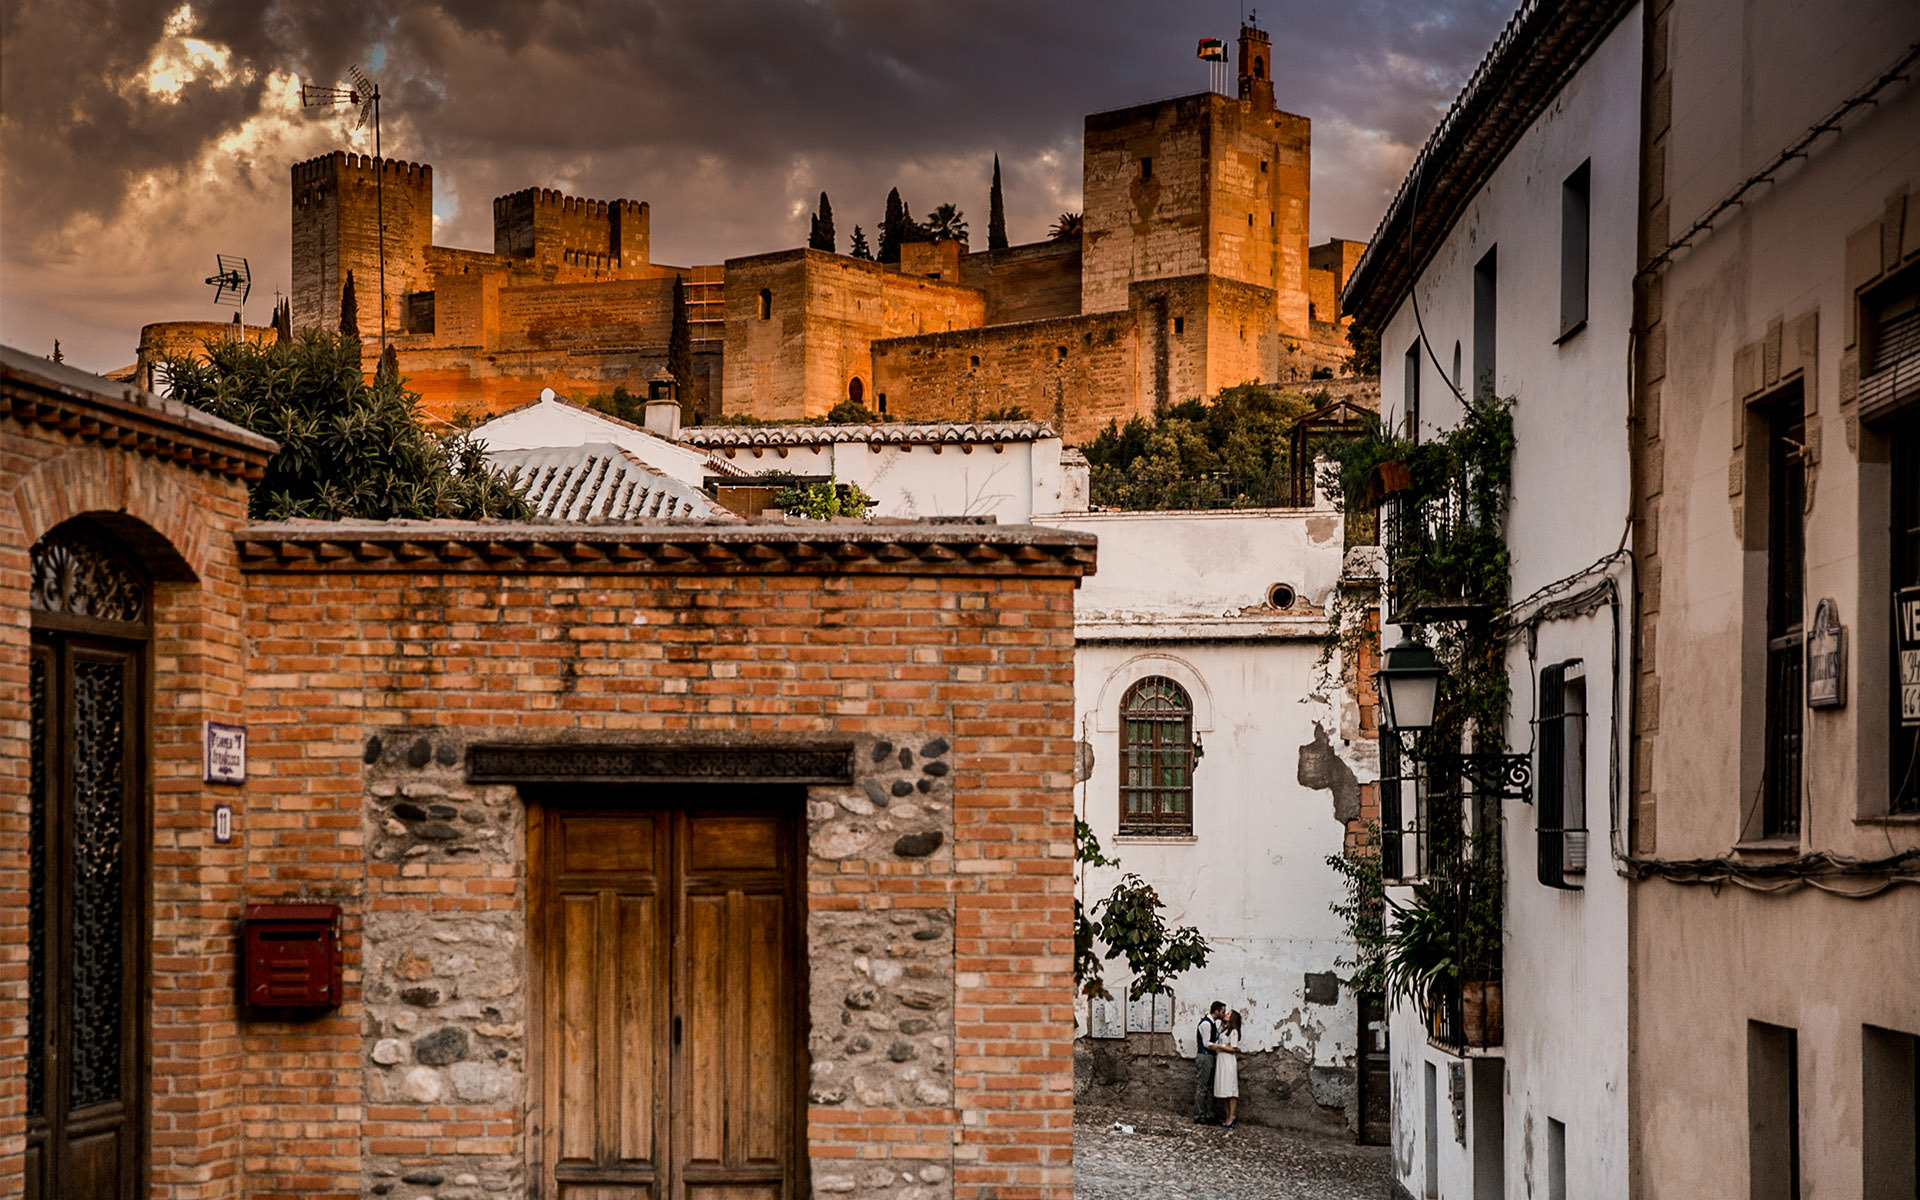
point(140, 137)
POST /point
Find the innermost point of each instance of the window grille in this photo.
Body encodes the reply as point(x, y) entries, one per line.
point(1560, 783)
point(1786, 594)
point(1156, 758)
point(1403, 814)
point(1904, 773)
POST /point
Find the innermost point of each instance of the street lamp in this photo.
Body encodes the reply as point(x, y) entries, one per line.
point(1409, 685)
point(1409, 682)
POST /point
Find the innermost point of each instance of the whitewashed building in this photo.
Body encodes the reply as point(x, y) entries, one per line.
point(1204, 630)
point(1506, 262)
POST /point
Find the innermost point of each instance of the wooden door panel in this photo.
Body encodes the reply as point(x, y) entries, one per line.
point(704, 953)
point(575, 1029)
point(759, 1132)
point(734, 1191)
point(96, 1166)
point(668, 1042)
point(733, 844)
point(639, 1059)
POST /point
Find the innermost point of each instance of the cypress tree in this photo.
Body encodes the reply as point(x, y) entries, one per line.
point(996, 212)
point(283, 321)
point(891, 226)
point(822, 237)
point(858, 247)
point(349, 309)
point(388, 372)
point(680, 347)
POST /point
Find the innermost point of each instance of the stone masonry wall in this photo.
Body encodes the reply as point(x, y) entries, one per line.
point(1078, 372)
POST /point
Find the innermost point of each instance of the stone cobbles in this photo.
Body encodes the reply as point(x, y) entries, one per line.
point(1167, 1157)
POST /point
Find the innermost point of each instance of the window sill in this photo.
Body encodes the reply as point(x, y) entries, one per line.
point(1156, 839)
point(1889, 819)
point(1570, 334)
point(1769, 848)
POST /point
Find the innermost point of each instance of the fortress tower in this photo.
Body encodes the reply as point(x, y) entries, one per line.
point(336, 228)
point(553, 231)
point(1256, 57)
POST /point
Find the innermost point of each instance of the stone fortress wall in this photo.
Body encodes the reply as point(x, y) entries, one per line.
point(1192, 273)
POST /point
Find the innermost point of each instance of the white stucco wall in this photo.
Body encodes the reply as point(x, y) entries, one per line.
point(1182, 595)
point(1565, 953)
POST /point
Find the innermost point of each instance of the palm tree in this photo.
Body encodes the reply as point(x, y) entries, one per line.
point(947, 222)
point(1068, 226)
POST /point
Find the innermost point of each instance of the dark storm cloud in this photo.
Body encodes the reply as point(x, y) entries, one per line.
point(730, 116)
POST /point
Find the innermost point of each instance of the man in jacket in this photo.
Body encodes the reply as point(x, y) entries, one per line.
point(1205, 1035)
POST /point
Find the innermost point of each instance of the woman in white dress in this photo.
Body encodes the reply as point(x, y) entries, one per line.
point(1226, 1070)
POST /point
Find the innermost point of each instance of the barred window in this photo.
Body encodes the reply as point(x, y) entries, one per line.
point(1561, 782)
point(1156, 758)
point(1403, 814)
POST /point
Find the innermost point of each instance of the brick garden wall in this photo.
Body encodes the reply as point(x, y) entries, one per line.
point(365, 661)
point(940, 979)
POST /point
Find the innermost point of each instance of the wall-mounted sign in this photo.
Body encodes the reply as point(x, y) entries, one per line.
point(223, 823)
point(1150, 1014)
point(1106, 1018)
point(1906, 642)
point(226, 753)
point(1826, 658)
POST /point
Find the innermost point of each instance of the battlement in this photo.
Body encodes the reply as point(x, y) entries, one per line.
point(554, 227)
point(573, 206)
point(339, 165)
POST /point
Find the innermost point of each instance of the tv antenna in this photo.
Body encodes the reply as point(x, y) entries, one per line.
point(232, 282)
point(363, 94)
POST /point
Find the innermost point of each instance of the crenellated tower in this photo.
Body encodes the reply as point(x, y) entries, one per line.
point(554, 230)
point(337, 203)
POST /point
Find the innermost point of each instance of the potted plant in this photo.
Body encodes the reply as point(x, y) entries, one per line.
point(1421, 950)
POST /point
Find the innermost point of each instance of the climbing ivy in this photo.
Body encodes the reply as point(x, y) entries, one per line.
point(1442, 508)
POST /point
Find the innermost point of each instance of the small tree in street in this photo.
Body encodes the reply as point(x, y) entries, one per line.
point(348, 449)
point(1127, 924)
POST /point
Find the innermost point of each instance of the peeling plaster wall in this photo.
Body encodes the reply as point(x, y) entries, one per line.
point(1182, 595)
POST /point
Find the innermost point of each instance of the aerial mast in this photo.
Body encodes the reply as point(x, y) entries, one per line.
point(363, 94)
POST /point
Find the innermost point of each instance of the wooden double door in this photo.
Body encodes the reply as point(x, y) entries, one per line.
point(671, 991)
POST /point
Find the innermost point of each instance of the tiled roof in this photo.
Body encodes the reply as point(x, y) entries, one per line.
point(896, 433)
point(598, 482)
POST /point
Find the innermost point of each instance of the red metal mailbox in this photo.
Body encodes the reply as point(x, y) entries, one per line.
point(292, 955)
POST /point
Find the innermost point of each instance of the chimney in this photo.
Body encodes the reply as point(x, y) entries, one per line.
point(663, 405)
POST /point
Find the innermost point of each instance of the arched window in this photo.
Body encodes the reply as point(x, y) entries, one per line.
point(766, 303)
point(1156, 758)
point(1259, 68)
point(856, 391)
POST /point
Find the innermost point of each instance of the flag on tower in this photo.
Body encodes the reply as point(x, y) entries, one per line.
point(1213, 50)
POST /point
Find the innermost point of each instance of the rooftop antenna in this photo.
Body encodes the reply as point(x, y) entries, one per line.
point(364, 94)
point(231, 284)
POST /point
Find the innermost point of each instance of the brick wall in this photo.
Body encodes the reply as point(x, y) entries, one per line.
point(366, 659)
point(61, 460)
point(351, 669)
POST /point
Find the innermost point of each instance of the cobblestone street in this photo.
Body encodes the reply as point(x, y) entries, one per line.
point(1167, 1155)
